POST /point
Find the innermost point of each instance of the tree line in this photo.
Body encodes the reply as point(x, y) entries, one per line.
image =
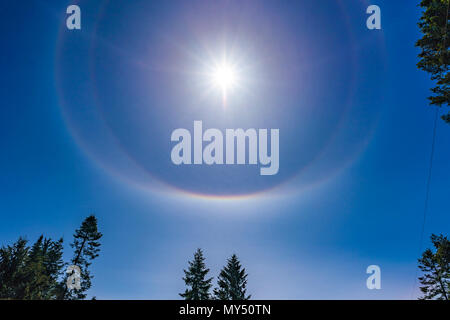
point(231, 283)
point(37, 271)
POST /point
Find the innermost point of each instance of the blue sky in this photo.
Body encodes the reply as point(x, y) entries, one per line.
point(85, 127)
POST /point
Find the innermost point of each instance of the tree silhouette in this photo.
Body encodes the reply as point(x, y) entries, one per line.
point(31, 272)
point(36, 271)
point(86, 247)
point(195, 279)
point(435, 55)
point(436, 268)
point(232, 281)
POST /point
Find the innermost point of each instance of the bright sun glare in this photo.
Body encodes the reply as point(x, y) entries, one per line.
point(224, 76)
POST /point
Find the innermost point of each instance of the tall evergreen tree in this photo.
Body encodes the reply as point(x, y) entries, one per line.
point(30, 272)
point(36, 272)
point(232, 281)
point(435, 55)
point(52, 252)
point(436, 268)
point(86, 248)
point(12, 273)
point(43, 268)
point(195, 279)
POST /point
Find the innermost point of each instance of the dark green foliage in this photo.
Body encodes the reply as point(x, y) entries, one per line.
point(12, 270)
point(86, 246)
point(232, 281)
point(435, 55)
point(31, 272)
point(195, 279)
point(37, 271)
point(436, 270)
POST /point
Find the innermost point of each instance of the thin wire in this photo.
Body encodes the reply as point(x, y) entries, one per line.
point(427, 194)
point(430, 169)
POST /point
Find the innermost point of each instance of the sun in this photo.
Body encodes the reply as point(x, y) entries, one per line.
point(224, 76)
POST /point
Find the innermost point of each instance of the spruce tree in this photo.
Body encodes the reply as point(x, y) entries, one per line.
point(36, 272)
point(43, 267)
point(12, 271)
point(52, 252)
point(86, 248)
point(436, 268)
point(435, 55)
point(31, 272)
point(195, 279)
point(232, 281)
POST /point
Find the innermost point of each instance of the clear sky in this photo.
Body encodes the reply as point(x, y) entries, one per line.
point(87, 115)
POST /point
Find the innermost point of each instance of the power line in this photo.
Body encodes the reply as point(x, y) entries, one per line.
point(427, 192)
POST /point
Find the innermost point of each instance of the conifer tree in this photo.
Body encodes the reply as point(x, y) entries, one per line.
point(31, 273)
point(232, 281)
point(86, 248)
point(436, 268)
point(435, 54)
point(36, 272)
point(195, 279)
point(43, 267)
point(12, 274)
